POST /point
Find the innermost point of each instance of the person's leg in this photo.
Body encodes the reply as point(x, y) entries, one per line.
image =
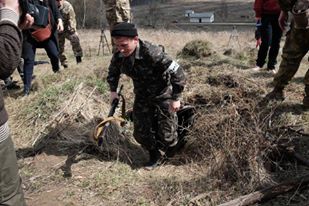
point(143, 115)
point(76, 47)
point(28, 54)
point(144, 134)
point(275, 43)
point(265, 36)
point(62, 57)
point(167, 125)
point(51, 49)
point(11, 193)
point(292, 54)
point(295, 48)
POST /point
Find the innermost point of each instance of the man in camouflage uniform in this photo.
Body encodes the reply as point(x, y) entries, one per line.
point(158, 83)
point(69, 32)
point(117, 11)
point(295, 48)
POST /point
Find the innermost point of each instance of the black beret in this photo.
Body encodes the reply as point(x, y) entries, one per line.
point(124, 29)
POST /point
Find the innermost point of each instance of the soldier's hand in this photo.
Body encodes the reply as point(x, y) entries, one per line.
point(113, 95)
point(283, 20)
point(60, 25)
point(174, 105)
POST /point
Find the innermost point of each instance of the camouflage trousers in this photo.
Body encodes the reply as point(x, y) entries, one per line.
point(76, 47)
point(11, 193)
point(155, 127)
point(117, 11)
point(295, 48)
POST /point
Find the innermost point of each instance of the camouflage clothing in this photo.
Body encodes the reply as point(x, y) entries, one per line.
point(69, 32)
point(295, 48)
point(117, 11)
point(157, 80)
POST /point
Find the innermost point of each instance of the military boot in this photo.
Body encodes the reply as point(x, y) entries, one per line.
point(155, 159)
point(276, 94)
point(78, 59)
point(65, 65)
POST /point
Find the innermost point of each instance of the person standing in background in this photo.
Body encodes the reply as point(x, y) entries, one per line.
point(268, 33)
point(30, 44)
point(69, 32)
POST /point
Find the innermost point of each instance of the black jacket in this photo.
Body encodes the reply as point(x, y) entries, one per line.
point(54, 18)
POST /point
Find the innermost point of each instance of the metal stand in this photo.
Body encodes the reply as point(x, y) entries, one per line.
point(103, 43)
point(234, 37)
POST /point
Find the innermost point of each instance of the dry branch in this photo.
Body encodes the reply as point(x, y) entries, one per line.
point(268, 193)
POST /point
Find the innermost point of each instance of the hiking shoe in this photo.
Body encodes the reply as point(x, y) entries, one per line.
point(257, 68)
point(272, 70)
point(276, 94)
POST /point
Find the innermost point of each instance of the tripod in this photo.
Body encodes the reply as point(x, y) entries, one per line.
point(234, 37)
point(103, 42)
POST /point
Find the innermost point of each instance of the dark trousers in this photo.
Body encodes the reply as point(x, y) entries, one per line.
point(28, 54)
point(270, 35)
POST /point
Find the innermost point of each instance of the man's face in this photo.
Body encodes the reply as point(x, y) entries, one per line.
point(59, 2)
point(126, 45)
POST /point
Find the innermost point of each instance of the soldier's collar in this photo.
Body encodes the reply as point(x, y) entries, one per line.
point(137, 51)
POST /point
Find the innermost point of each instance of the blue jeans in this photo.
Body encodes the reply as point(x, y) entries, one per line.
point(28, 54)
point(271, 35)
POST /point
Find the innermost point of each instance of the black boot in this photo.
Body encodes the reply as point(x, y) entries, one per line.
point(65, 65)
point(10, 84)
point(78, 59)
point(276, 94)
point(155, 159)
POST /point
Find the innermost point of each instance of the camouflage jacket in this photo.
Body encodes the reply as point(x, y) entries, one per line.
point(68, 17)
point(155, 75)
